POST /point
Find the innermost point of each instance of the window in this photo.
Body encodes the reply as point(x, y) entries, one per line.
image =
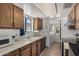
point(28, 23)
point(55, 28)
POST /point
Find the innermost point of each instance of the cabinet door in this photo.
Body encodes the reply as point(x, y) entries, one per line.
point(37, 24)
point(39, 47)
point(6, 15)
point(26, 52)
point(77, 16)
point(72, 19)
point(34, 49)
point(43, 43)
point(18, 17)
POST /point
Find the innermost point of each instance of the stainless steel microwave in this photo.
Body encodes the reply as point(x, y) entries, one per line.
point(5, 41)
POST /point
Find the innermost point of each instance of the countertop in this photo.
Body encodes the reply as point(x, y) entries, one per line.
point(68, 36)
point(18, 44)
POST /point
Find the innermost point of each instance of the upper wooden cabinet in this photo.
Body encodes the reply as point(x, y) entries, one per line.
point(74, 16)
point(77, 16)
point(37, 24)
point(71, 18)
point(11, 16)
point(6, 15)
point(18, 17)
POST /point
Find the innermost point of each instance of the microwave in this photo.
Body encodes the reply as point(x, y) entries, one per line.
point(5, 41)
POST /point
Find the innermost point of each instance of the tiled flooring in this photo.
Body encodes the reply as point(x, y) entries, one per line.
point(54, 50)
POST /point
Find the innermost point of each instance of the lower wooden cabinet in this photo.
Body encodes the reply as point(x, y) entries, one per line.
point(32, 49)
point(43, 43)
point(38, 47)
point(26, 50)
point(13, 53)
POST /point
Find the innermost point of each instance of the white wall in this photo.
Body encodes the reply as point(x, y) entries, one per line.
point(46, 31)
point(31, 10)
point(4, 32)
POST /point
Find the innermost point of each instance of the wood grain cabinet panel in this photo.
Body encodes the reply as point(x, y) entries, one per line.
point(72, 19)
point(38, 47)
point(26, 50)
point(18, 17)
point(74, 15)
point(6, 15)
point(37, 24)
point(34, 48)
point(77, 16)
point(11, 16)
point(43, 43)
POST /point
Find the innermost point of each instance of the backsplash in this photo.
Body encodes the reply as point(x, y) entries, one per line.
point(4, 32)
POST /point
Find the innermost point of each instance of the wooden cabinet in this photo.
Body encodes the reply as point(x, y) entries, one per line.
point(74, 16)
point(18, 17)
point(11, 16)
point(34, 48)
point(71, 18)
point(31, 49)
point(37, 24)
point(26, 50)
point(77, 16)
point(43, 43)
point(13, 53)
point(6, 15)
point(38, 47)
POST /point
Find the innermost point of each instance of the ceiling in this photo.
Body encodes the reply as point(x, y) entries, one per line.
point(48, 9)
point(55, 9)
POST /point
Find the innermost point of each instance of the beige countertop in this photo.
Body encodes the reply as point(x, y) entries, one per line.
point(18, 44)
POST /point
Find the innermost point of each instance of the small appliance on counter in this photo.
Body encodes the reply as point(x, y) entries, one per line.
point(6, 40)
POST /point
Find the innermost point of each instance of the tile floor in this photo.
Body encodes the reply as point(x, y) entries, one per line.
point(54, 50)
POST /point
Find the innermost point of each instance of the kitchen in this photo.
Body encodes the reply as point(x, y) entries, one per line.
point(30, 29)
